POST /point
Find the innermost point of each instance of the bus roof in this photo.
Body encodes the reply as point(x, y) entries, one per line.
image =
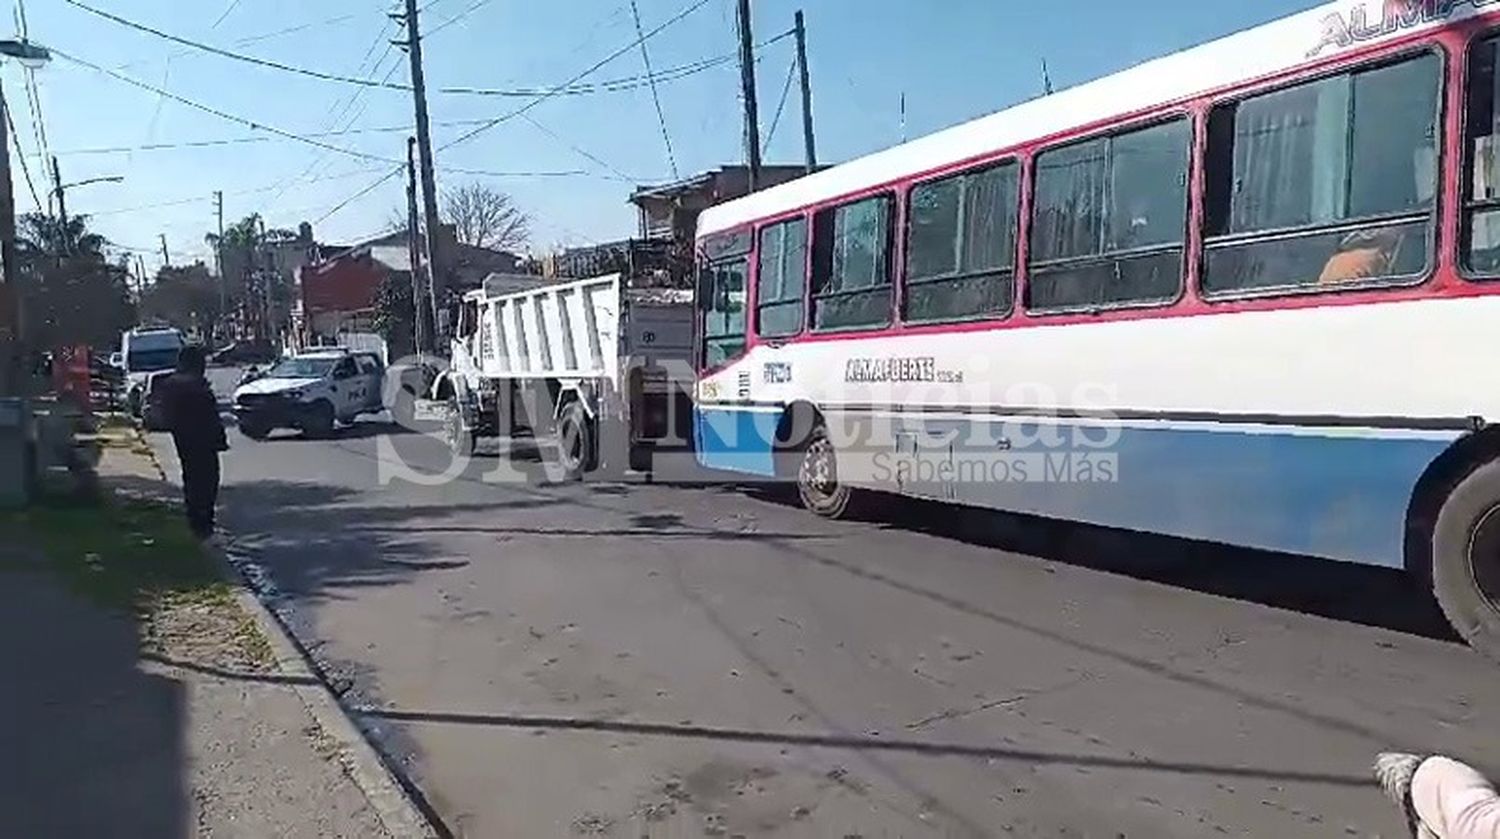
point(1284, 44)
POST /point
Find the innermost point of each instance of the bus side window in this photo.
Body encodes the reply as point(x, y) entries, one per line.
point(852, 265)
point(1481, 239)
point(1109, 220)
point(781, 279)
point(961, 244)
point(1328, 183)
point(721, 300)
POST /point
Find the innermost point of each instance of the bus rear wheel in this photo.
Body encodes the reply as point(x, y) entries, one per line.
point(818, 484)
point(1466, 559)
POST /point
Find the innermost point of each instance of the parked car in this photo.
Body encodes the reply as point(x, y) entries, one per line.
point(311, 392)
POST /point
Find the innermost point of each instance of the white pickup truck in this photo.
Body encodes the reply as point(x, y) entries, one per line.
point(312, 392)
point(599, 369)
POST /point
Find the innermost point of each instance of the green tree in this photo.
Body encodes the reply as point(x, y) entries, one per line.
point(70, 292)
point(257, 287)
point(393, 313)
point(186, 297)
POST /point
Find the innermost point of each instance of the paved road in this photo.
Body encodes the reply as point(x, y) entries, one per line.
point(635, 660)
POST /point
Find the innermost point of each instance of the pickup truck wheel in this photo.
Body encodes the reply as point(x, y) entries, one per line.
point(255, 430)
point(319, 422)
point(1466, 559)
point(575, 438)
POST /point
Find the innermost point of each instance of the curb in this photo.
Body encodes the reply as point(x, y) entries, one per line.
point(401, 809)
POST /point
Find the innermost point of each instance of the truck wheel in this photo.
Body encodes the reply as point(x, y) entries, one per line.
point(1466, 559)
point(818, 482)
point(575, 437)
point(460, 439)
point(319, 422)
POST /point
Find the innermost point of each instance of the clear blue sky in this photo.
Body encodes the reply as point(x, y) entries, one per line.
point(953, 60)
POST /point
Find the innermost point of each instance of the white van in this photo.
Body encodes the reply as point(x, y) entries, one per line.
point(143, 352)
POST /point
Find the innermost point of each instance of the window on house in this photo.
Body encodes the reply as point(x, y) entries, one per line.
point(852, 266)
point(960, 246)
point(781, 279)
point(1109, 220)
point(1327, 183)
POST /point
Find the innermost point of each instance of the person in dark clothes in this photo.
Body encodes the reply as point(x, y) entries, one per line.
point(192, 415)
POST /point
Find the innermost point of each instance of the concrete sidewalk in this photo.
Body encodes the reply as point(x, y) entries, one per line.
point(171, 721)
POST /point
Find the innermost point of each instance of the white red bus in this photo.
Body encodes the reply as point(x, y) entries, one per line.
point(1247, 293)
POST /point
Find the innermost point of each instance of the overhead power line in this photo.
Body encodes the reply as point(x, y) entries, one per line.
point(661, 117)
point(232, 141)
point(221, 114)
point(476, 6)
point(791, 73)
point(21, 155)
point(491, 123)
point(609, 86)
point(579, 77)
point(228, 10)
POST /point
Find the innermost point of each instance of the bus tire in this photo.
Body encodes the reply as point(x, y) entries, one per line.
point(1466, 559)
point(818, 486)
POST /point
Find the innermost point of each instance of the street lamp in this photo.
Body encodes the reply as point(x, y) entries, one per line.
point(62, 207)
point(30, 56)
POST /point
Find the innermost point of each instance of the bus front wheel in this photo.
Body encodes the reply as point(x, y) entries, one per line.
point(818, 483)
point(1466, 559)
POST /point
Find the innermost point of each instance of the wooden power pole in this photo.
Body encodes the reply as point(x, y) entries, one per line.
point(414, 251)
point(166, 258)
point(219, 262)
point(11, 350)
point(808, 141)
point(747, 84)
point(62, 204)
point(435, 263)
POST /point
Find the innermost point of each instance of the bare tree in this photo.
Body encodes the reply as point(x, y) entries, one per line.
point(486, 218)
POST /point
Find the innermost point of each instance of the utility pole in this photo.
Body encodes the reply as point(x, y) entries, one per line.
point(808, 142)
point(219, 261)
point(747, 84)
point(11, 349)
point(414, 252)
point(166, 258)
point(435, 262)
point(62, 206)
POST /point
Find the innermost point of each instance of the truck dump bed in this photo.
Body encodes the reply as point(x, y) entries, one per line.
point(564, 331)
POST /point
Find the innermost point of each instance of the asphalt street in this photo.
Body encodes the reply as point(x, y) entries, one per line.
point(677, 660)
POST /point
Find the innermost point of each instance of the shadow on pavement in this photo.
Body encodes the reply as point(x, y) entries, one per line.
point(1368, 596)
point(93, 745)
point(839, 741)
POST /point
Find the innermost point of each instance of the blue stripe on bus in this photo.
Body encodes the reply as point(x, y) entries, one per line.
point(1340, 494)
point(736, 440)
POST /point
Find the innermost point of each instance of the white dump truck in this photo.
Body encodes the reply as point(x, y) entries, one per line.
point(597, 369)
